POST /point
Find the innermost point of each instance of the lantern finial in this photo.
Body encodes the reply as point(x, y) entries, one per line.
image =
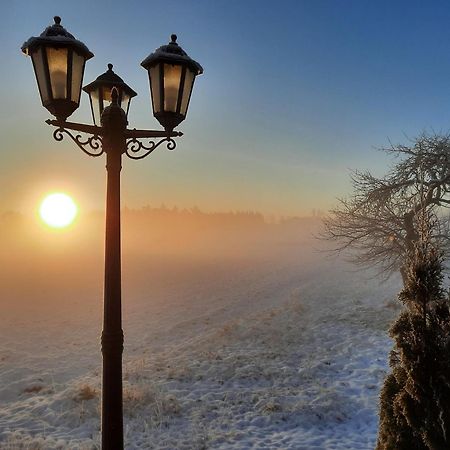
point(110, 66)
point(173, 38)
point(57, 20)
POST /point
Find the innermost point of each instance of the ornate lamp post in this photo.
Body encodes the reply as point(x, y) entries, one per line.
point(58, 61)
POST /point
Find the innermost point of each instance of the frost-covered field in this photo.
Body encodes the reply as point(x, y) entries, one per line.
point(279, 351)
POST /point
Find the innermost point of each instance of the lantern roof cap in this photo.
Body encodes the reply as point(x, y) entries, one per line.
point(109, 79)
point(58, 36)
point(172, 53)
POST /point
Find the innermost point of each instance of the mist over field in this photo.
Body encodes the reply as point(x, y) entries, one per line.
point(43, 266)
point(240, 332)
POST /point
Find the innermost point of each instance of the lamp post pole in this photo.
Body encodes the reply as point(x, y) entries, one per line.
point(114, 139)
point(58, 61)
point(114, 123)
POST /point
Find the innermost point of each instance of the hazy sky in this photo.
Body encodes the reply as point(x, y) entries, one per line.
point(293, 95)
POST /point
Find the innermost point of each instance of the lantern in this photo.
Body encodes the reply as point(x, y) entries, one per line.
point(171, 73)
point(58, 61)
point(100, 93)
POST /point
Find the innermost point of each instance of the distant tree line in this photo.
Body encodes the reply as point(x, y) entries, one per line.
point(194, 214)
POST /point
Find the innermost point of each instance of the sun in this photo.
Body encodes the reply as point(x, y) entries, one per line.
point(58, 210)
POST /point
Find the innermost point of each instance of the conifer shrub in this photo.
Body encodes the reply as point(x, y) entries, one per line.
point(415, 397)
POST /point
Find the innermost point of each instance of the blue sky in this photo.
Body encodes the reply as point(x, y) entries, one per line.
point(294, 94)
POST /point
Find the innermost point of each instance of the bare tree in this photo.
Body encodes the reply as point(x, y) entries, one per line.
point(378, 222)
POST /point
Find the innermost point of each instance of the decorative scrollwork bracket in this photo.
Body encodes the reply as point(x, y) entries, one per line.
point(136, 149)
point(93, 142)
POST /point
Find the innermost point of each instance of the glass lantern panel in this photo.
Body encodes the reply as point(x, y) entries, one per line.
point(155, 87)
point(125, 103)
point(172, 76)
point(96, 106)
point(41, 74)
point(106, 96)
point(57, 66)
point(77, 76)
point(187, 89)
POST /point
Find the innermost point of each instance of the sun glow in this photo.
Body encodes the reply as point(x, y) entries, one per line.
point(58, 210)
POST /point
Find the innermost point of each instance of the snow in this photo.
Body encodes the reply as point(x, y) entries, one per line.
point(280, 350)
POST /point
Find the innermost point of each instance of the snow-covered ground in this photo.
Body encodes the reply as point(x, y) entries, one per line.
point(285, 350)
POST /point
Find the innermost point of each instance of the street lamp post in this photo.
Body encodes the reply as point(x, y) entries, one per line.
point(59, 60)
